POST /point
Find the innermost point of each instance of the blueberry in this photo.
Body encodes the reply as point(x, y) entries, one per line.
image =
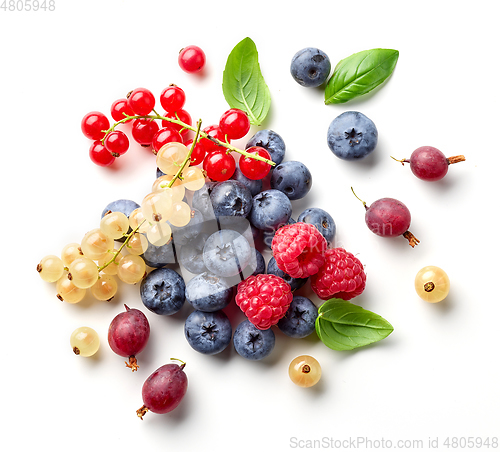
point(226, 253)
point(191, 255)
point(208, 292)
point(258, 262)
point(270, 208)
point(295, 283)
point(159, 256)
point(231, 198)
point(310, 67)
point(201, 200)
point(352, 136)
point(185, 234)
point(321, 219)
point(208, 332)
point(268, 236)
point(255, 186)
point(163, 291)
point(292, 178)
point(271, 141)
point(125, 206)
point(299, 320)
point(252, 343)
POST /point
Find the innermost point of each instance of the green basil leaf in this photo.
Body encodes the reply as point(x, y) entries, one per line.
point(243, 85)
point(342, 325)
point(359, 74)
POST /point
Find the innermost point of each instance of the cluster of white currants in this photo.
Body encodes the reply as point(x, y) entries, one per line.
point(94, 263)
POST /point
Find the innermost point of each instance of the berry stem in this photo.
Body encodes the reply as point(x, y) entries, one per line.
point(188, 157)
point(456, 159)
point(364, 203)
point(142, 411)
point(412, 240)
point(117, 252)
point(402, 161)
point(189, 127)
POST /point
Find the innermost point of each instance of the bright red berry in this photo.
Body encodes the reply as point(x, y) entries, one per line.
point(181, 115)
point(198, 153)
point(94, 125)
point(117, 143)
point(141, 101)
point(255, 169)
point(264, 299)
point(164, 136)
point(120, 108)
point(234, 123)
point(191, 59)
point(219, 165)
point(100, 155)
point(143, 131)
point(172, 98)
point(214, 132)
point(299, 249)
point(341, 276)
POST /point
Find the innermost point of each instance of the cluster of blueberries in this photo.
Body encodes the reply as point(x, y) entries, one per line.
point(217, 250)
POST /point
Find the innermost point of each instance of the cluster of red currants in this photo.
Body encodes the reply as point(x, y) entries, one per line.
point(213, 148)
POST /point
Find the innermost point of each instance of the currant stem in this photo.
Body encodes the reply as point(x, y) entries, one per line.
point(117, 252)
point(412, 240)
point(364, 203)
point(188, 157)
point(402, 161)
point(456, 159)
point(189, 127)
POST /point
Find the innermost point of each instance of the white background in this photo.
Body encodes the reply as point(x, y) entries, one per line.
point(436, 376)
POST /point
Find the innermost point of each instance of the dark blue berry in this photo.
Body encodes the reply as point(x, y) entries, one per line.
point(185, 234)
point(208, 292)
point(163, 291)
point(231, 198)
point(321, 219)
point(201, 200)
point(191, 255)
point(226, 253)
point(295, 283)
point(208, 332)
point(310, 67)
point(258, 262)
point(159, 256)
point(299, 320)
point(252, 343)
point(270, 209)
point(255, 186)
point(352, 136)
point(271, 142)
point(292, 178)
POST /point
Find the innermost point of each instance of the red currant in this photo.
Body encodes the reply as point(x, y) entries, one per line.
point(255, 169)
point(198, 153)
point(234, 123)
point(120, 108)
point(164, 136)
point(143, 131)
point(100, 155)
point(214, 132)
point(94, 125)
point(172, 98)
point(141, 101)
point(219, 165)
point(116, 143)
point(181, 115)
point(191, 59)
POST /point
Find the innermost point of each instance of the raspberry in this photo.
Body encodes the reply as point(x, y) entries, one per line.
point(264, 299)
point(299, 249)
point(342, 276)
